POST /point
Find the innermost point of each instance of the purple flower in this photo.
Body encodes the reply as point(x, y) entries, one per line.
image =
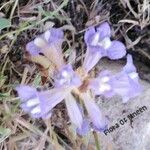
point(66, 77)
point(85, 126)
point(39, 104)
point(124, 83)
point(94, 118)
point(49, 43)
point(103, 84)
point(129, 68)
point(127, 84)
point(99, 122)
point(100, 45)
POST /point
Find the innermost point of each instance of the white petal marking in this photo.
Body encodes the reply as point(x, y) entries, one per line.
point(47, 35)
point(32, 102)
point(65, 74)
point(39, 42)
point(36, 110)
point(62, 81)
point(95, 39)
point(133, 75)
point(104, 87)
point(105, 79)
point(105, 43)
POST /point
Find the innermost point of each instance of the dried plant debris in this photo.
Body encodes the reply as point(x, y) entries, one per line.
point(49, 53)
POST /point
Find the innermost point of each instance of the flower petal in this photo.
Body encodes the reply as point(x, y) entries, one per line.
point(25, 92)
point(98, 120)
point(32, 49)
point(92, 56)
point(40, 104)
point(52, 97)
point(103, 84)
point(66, 77)
point(48, 100)
point(135, 90)
point(126, 87)
point(104, 30)
point(54, 35)
point(73, 110)
point(85, 128)
point(88, 35)
point(50, 44)
point(116, 51)
point(54, 53)
point(129, 67)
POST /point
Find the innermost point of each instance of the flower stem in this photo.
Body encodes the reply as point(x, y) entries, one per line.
point(96, 140)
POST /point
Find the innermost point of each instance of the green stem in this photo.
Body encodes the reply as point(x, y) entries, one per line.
point(96, 140)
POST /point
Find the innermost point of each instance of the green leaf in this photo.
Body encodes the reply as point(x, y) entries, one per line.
point(37, 80)
point(4, 23)
point(2, 95)
point(4, 133)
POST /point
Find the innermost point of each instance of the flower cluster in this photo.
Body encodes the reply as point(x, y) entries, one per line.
point(76, 87)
